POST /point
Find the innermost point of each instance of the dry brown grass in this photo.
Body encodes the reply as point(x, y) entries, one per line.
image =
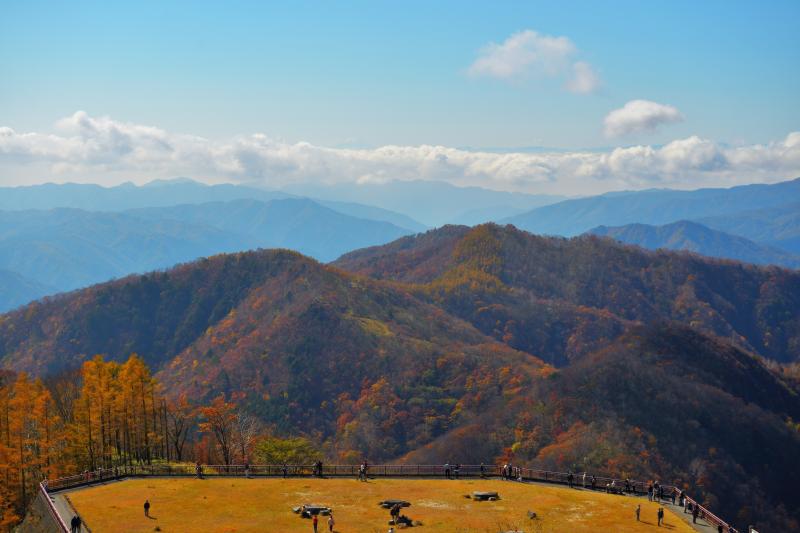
point(242, 505)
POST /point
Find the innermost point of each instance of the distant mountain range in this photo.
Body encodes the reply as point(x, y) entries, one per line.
point(466, 343)
point(777, 226)
point(695, 237)
point(63, 237)
point(166, 193)
point(657, 207)
point(65, 249)
point(431, 202)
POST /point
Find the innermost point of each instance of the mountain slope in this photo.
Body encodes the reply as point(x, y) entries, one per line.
point(560, 299)
point(573, 217)
point(17, 290)
point(70, 248)
point(310, 347)
point(776, 226)
point(299, 224)
point(694, 237)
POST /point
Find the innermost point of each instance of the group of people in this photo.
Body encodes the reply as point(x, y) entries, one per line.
point(510, 472)
point(75, 524)
point(452, 470)
point(655, 491)
point(315, 522)
point(659, 515)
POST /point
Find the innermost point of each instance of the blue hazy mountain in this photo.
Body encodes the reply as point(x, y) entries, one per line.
point(431, 202)
point(165, 193)
point(694, 237)
point(64, 249)
point(17, 290)
point(776, 226)
point(657, 207)
point(374, 213)
point(296, 223)
point(158, 193)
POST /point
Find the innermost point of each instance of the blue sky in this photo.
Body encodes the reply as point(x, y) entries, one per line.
point(369, 74)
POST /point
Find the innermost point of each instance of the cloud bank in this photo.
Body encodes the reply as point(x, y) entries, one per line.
point(100, 149)
point(639, 116)
point(528, 54)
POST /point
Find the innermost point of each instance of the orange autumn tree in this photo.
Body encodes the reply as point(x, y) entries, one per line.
point(32, 443)
point(119, 415)
point(219, 419)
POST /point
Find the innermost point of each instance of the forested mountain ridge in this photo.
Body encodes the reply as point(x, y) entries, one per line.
point(561, 298)
point(308, 345)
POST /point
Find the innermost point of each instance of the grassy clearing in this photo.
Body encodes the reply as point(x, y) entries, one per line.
point(242, 505)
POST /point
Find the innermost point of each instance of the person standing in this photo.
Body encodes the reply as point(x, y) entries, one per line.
point(73, 525)
point(638, 512)
point(331, 522)
point(147, 508)
point(584, 480)
point(695, 513)
point(660, 516)
point(315, 522)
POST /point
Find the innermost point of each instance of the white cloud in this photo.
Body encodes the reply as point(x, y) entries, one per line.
point(528, 54)
point(584, 79)
point(107, 151)
point(639, 116)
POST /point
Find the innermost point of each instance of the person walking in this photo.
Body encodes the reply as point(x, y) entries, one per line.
point(570, 479)
point(73, 525)
point(147, 508)
point(638, 512)
point(331, 522)
point(482, 470)
point(584, 480)
point(660, 516)
point(285, 470)
point(447, 470)
point(315, 522)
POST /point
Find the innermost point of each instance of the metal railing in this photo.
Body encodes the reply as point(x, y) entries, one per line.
point(52, 508)
point(423, 471)
point(707, 515)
